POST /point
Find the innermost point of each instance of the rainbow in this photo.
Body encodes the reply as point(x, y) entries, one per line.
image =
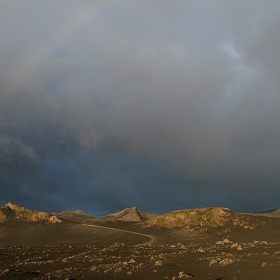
point(27, 66)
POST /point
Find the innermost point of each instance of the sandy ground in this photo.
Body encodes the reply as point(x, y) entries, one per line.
point(72, 250)
point(41, 234)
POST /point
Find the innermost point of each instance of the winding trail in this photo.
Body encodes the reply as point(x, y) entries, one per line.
point(152, 238)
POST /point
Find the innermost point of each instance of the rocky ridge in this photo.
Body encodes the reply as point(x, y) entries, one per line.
point(12, 211)
point(202, 218)
point(133, 214)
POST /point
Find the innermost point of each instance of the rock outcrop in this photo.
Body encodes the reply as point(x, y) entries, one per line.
point(54, 220)
point(212, 217)
point(203, 218)
point(12, 211)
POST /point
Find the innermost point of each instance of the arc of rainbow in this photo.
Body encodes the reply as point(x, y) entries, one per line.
point(24, 68)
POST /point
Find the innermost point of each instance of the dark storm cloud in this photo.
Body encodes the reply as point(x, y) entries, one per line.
point(163, 105)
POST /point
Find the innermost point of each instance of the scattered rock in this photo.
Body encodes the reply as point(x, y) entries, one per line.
point(182, 275)
point(226, 262)
point(201, 250)
point(239, 248)
point(226, 241)
point(213, 261)
point(54, 220)
point(158, 263)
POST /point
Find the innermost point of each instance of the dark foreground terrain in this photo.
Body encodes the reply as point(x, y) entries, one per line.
point(256, 260)
point(247, 248)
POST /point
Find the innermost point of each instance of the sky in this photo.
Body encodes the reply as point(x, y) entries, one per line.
point(164, 105)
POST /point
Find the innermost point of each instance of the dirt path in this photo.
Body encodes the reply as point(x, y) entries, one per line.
point(152, 238)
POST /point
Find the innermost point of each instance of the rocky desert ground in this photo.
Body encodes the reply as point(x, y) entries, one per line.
point(208, 243)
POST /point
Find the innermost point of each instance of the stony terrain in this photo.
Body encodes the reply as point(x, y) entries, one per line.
point(209, 243)
point(221, 260)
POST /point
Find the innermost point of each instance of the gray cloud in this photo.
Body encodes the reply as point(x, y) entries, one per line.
point(13, 146)
point(109, 105)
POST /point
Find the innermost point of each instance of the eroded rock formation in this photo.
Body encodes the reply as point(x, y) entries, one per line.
point(12, 211)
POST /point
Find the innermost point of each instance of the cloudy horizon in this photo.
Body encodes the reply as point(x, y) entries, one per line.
point(163, 105)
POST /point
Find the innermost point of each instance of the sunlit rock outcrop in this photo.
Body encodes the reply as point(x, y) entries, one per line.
point(15, 212)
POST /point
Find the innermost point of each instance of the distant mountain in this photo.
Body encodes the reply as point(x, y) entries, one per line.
point(271, 212)
point(79, 212)
point(15, 212)
point(130, 214)
point(77, 215)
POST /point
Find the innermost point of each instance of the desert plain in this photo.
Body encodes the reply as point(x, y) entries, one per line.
point(208, 243)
